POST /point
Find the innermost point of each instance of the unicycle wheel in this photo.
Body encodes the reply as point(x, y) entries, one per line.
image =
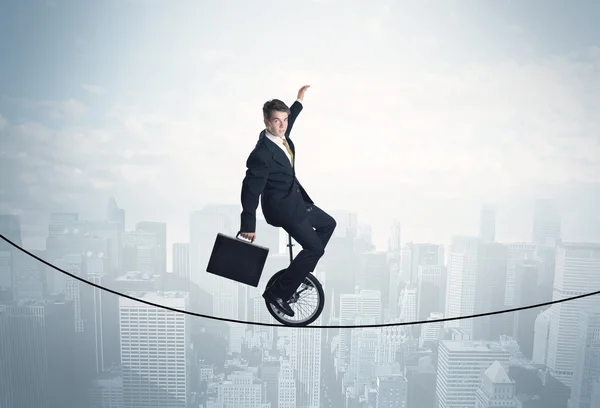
point(307, 302)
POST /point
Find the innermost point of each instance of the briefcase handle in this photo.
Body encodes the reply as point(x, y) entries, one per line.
point(237, 236)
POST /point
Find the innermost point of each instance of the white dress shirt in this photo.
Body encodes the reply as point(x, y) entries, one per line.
point(279, 140)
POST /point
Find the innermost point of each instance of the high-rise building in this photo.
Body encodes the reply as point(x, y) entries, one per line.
point(6, 275)
point(526, 294)
point(489, 291)
point(38, 367)
point(392, 391)
point(106, 389)
point(287, 386)
point(587, 360)
point(181, 259)
point(363, 355)
point(541, 334)
point(547, 222)
point(98, 321)
point(517, 253)
point(577, 273)
point(460, 365)
point(420, 254)
point(241, 389)
point(366, 303)
point(270, 371)
point(115, 214)
point(408, 304)
point(460, 290)
point(159, 229)
point(391, 342)
point(431, 290)
point(140, 252)
point(496, 389)
point(10, 227)
point(29, 279)
point(395, 242)
point(305, 357)
point(372, 271)
point(68, 235)
point(154, 350)
point(487, 223)
point(431, 331)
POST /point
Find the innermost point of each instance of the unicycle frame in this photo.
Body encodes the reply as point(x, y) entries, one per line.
point(290, 245)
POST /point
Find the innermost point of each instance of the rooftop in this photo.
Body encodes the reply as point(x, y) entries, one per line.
point(472, 346)
point(144, 295)
point(497, 373)
point(136, 275)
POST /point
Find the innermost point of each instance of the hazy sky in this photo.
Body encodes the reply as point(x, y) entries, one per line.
point(417, 111)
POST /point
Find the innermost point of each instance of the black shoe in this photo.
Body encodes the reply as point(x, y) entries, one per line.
point(279, 303)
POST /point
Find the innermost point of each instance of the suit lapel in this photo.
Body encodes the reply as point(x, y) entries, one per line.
point(278, 155)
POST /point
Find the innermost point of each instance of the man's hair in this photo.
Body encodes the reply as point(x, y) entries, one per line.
point(274, 105)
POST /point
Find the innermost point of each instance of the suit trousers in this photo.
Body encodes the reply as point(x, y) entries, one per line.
point(312, 234)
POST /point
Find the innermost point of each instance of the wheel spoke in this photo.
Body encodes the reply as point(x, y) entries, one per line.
point(307, 304)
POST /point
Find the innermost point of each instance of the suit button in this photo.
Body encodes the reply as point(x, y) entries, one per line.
point(298, 190)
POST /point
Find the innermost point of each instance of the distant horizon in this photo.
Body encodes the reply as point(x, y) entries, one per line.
point(380, 235)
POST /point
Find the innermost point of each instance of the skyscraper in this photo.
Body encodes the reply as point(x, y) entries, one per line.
point(496, 389)
point(181, 259)
point(160, 231)
point(489, 293)
point(10, 227)
point(154, 350)
point(547, 222)
point(587, 360)
point(487, 223)
point(460, 364)
point(38, 367)
point(577, 273)
point(305, 356)
point(462, 273)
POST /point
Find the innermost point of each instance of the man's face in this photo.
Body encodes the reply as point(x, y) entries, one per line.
point(277, 125)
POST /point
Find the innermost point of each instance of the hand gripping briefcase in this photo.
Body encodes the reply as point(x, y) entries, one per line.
point(237, 259)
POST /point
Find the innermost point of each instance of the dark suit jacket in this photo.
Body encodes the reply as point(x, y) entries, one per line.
point(270, 173)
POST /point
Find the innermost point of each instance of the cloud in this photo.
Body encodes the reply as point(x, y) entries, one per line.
point(214, 55)
point(375, 23)
point(44, 169)
point(54, 109)
point(483, 131)
point(3, 123)
point(94, 89)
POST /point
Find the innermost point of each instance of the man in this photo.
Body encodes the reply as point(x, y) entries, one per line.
point(271, 174)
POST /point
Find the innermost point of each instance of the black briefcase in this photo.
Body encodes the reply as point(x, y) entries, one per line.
point(238, 260)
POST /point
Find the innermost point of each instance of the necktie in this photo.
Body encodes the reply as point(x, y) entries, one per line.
point(287, 146)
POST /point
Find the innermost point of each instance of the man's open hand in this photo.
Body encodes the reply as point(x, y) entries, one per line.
point(301, 91)
point(248, 235)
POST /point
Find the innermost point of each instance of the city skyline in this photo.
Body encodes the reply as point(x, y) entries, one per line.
point(368, 306)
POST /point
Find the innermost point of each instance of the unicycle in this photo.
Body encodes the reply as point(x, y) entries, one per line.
point(307, 302)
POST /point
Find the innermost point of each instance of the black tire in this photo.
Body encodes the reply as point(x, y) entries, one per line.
point(300, 323)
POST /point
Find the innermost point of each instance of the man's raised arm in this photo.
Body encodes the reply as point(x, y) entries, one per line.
point(295, 109)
